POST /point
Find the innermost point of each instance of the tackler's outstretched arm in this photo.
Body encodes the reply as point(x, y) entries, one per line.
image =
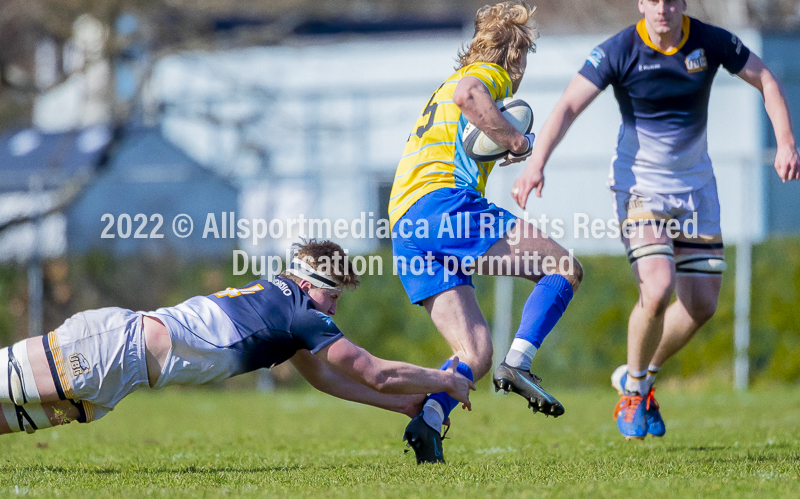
point(328, 380)
point(392, 377)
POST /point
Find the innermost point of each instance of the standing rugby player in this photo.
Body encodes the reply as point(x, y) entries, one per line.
point(438, 187)
point(83, 369)
point(661, 71)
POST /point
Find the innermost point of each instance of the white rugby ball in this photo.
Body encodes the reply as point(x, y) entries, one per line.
point(480, 147)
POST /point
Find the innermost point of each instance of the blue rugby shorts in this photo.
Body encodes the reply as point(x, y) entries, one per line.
point(436, 242)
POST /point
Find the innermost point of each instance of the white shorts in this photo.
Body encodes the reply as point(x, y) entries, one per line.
point(99, 358)
point(702, 206)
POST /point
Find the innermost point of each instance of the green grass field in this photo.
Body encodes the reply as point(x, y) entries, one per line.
point(211, 443)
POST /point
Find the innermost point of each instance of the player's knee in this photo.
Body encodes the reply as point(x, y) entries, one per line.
point(576, 277)
point(702, 309)
point(572, 270)
point(655, 297)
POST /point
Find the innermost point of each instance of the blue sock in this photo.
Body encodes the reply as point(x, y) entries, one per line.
point(439, 405)
point(544, 308)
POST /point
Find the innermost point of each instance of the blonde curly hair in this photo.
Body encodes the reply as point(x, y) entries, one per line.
point(503, 32)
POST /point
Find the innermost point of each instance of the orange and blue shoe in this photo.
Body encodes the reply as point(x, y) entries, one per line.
point(631, 416)
point(655, 424)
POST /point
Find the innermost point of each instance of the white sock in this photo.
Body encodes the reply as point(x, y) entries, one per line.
point(652, 371)
point(635, 384)
point(521, 354)
point(433, 415)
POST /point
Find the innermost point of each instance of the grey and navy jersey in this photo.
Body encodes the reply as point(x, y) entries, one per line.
point(663, 98)
point(241, 329)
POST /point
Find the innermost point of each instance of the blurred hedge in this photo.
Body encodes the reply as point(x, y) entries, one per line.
point(583, 350)
point(590, 340)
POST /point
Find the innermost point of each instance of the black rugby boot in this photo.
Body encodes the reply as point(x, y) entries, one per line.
point(426, 442)
point(519, 381)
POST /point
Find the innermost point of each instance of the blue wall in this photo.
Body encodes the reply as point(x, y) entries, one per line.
point(782, 55)
point(148, 175)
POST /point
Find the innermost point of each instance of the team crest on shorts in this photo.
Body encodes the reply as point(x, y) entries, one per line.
point(78, 364)
point(635, 203)
point(696, 61)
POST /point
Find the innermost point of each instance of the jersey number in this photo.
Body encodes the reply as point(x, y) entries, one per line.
point(231, 292)
point(430, 110)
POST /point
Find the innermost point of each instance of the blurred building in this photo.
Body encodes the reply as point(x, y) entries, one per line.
point(59, 191)
point(129, 208)
point(40, 174)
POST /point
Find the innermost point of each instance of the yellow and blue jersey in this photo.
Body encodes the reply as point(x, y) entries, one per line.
point(434, 157)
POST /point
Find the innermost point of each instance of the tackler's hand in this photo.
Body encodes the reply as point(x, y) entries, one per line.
point(460, 386)
point(512, 157)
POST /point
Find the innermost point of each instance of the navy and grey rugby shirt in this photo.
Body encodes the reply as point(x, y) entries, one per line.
point(663, 97)
point(241, 329)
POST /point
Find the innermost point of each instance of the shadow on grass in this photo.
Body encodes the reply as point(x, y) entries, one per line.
point(116, 471)
point(719, 448)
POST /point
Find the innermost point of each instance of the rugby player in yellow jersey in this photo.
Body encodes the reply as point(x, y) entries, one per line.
point(661, 70)
point(444, 229)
